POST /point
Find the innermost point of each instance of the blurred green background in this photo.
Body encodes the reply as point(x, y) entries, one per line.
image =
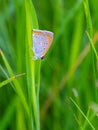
point(68, 73)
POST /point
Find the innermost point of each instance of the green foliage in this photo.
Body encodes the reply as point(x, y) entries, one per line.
point(60, 92)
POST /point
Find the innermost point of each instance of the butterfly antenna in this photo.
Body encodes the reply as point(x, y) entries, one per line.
point(49, 64)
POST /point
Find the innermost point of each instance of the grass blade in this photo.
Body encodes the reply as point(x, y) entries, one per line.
point(32, 65)
point(92, 45)
point(16, 84)
point(8, 114)
point(10, 79)
point(88, 17)
point(82, 113)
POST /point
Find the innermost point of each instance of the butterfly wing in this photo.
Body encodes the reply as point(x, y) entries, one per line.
point(41, 42)
point(49, 36)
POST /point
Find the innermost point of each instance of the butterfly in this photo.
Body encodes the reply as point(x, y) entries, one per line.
point(42, 41)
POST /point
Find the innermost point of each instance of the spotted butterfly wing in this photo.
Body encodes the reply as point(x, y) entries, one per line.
point(42, 41)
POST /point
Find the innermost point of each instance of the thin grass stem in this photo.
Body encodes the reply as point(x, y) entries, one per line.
point(82, 113)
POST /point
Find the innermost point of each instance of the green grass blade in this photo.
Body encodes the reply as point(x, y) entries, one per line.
point(92, 45)
point(29, 63)
point(88, 17)
point(10, 79)
point(6, 75)
point(82, 113)
point(66, 20)
point(77, 38)
point(90, 35)
point(21, 125)
point(34, 19)
point(8, 114)
point(88, 116)
point(31, 22)
point(16, 83)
